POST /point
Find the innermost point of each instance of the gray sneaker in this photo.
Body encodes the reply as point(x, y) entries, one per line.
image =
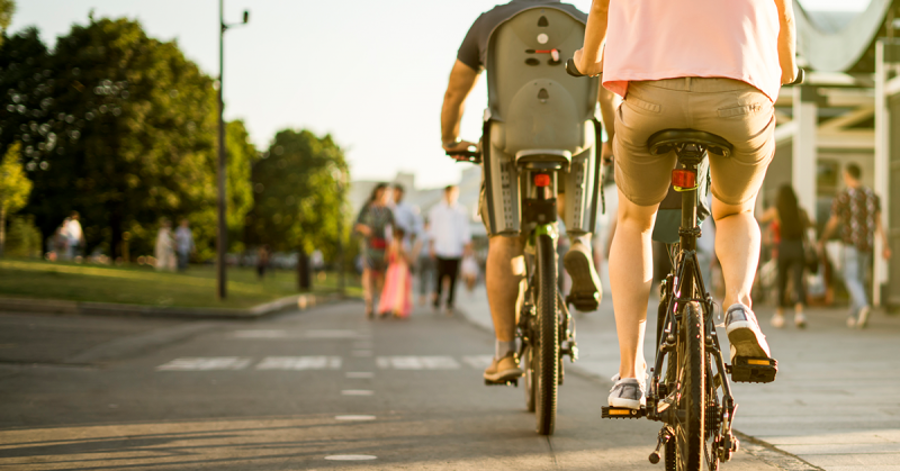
point(627, 392)
point(863, 319)
point(587, 291)
point(744, 335)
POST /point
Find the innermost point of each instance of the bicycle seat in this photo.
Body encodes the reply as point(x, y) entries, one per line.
point(667, 140)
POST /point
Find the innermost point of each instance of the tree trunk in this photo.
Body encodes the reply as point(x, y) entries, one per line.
point(304, 281)
point(115, 226)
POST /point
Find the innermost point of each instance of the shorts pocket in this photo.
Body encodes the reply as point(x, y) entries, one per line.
point(637, 103)
point(744, 111)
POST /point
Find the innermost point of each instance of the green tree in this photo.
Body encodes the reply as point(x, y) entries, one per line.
point(241, 156)
point(121, 127)
point(7, 8)
point(14, 188)
point(298, 201)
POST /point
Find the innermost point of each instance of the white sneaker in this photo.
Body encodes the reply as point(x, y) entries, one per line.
point(744, 335)
point(851, 322)
point(777, 321)
point(800, 320)
point(627, 393)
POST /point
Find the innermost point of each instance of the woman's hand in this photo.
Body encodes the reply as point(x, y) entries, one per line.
point(592, 69)
point(363, 229)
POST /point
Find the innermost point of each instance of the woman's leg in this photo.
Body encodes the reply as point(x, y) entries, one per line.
point(367, 289)
point(631, 273)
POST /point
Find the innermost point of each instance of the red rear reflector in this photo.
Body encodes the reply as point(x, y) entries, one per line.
point(542, 180)
point(684, 178)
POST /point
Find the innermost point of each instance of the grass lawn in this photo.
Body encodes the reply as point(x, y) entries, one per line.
point(142, 285)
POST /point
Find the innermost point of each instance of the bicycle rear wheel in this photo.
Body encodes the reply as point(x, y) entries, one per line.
point(691, 391)
point(528, 379)
point(547, 343)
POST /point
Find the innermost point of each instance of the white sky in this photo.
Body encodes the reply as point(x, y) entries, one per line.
point(372, 73)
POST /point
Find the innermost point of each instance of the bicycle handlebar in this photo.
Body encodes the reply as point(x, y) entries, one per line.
point(472, 156)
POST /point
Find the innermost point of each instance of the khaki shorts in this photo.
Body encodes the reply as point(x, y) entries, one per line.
point(731, 109)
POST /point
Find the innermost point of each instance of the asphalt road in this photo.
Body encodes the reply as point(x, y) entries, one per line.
point(288, 393)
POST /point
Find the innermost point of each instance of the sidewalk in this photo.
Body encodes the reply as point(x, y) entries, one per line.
point(835, 402)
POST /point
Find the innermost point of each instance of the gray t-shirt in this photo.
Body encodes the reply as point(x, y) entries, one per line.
point(474, 47)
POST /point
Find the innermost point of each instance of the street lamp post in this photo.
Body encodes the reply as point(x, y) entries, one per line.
point(221, 169)
point(339, 178)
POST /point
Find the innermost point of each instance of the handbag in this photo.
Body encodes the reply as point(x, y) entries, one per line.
point(810, 255)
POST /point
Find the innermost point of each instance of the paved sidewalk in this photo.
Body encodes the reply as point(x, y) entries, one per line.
point(835, 403)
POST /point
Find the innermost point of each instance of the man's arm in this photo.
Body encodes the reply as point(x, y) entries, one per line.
point(589, 59)
point(829, 229)
point(462, 81)
point(879, 230)
point(787, 40)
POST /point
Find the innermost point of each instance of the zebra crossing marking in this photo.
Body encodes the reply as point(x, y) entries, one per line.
point(357, 392)
point(205, 364)
point(300, 363)
point(359, 375)
point(478, 361)
point(417, 363)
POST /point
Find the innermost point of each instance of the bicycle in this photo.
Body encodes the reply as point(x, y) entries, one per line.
point(545, 330)
point(688, 388)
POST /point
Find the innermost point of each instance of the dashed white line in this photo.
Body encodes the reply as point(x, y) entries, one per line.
point(300, 363)
point(360, 374)
point(205, 364)
point(355, 417)
point(357, 392)
point(417, 363)
point(350, 457)
point(478, 361)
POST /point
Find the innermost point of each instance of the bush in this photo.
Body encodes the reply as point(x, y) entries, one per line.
point(23, 238)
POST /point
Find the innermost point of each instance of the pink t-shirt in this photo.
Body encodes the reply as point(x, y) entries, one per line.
point(661, 39)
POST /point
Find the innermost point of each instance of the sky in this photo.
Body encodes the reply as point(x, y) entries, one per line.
point(372, 74)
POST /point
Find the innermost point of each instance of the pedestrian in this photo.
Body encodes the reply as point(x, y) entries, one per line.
point(792, 222)
point(450, 240)
point(60, 244)
point(74, 236)
point(165, 247)
point(317, 262)
point(373, 223)
point(184, 243)
point(425, 265)
point(858, 211)
point(406, 216)
point(262, 261)
point(396, 297)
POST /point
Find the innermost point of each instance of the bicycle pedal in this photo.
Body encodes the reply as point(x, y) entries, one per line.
point(753, 370)
point(622, 413)
point(509, 382)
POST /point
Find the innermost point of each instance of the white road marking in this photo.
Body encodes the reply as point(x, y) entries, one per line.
point(350, 457)
point(357, 392)
point(478, 361)
point(309, 334)
point(355, 417)
point(360, 374)
point(300, 363)
point(205, 364)
point(261, 334)
point(362, 353)
point(333, 334)
point(417, 363)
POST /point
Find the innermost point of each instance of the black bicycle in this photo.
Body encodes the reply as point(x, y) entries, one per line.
point(545, 329)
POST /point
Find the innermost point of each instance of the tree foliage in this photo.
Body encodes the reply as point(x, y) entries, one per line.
point(299, 194)
point(14, 188)
point(121, 127)
point(7, 8)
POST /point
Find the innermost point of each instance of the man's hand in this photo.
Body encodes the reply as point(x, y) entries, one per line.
point(460, 146)
point(886, 253)
point(606, 153)
point(592, 69)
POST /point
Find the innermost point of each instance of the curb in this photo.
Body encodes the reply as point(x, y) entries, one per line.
point(48, 306)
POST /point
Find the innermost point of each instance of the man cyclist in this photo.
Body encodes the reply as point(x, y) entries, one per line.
point(505, 267)
point(709, 65)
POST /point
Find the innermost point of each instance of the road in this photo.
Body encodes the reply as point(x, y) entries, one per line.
point(297, 391)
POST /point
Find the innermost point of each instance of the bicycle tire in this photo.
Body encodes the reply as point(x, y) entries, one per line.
point(690, 433)
point(547, 364)
point(528, 378)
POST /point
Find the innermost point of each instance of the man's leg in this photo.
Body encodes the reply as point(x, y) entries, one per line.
point(439, 281)
point(453, 274)
point(630, 275)
point(505, 268)
point(586, 292)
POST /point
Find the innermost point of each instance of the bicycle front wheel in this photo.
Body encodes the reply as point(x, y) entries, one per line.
point(546, 353)
point(691, 391)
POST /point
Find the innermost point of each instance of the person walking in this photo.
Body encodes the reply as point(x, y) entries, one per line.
point(165, 247)
point(184, 243)
point(262, 261)
point(792, 222)
point(858, 211)
point(425, 265)
point(74, 236)
point(396, 298)
point(450, 240)
point(373, 222)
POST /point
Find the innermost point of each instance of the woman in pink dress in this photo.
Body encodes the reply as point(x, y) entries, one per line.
point(396, 298)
